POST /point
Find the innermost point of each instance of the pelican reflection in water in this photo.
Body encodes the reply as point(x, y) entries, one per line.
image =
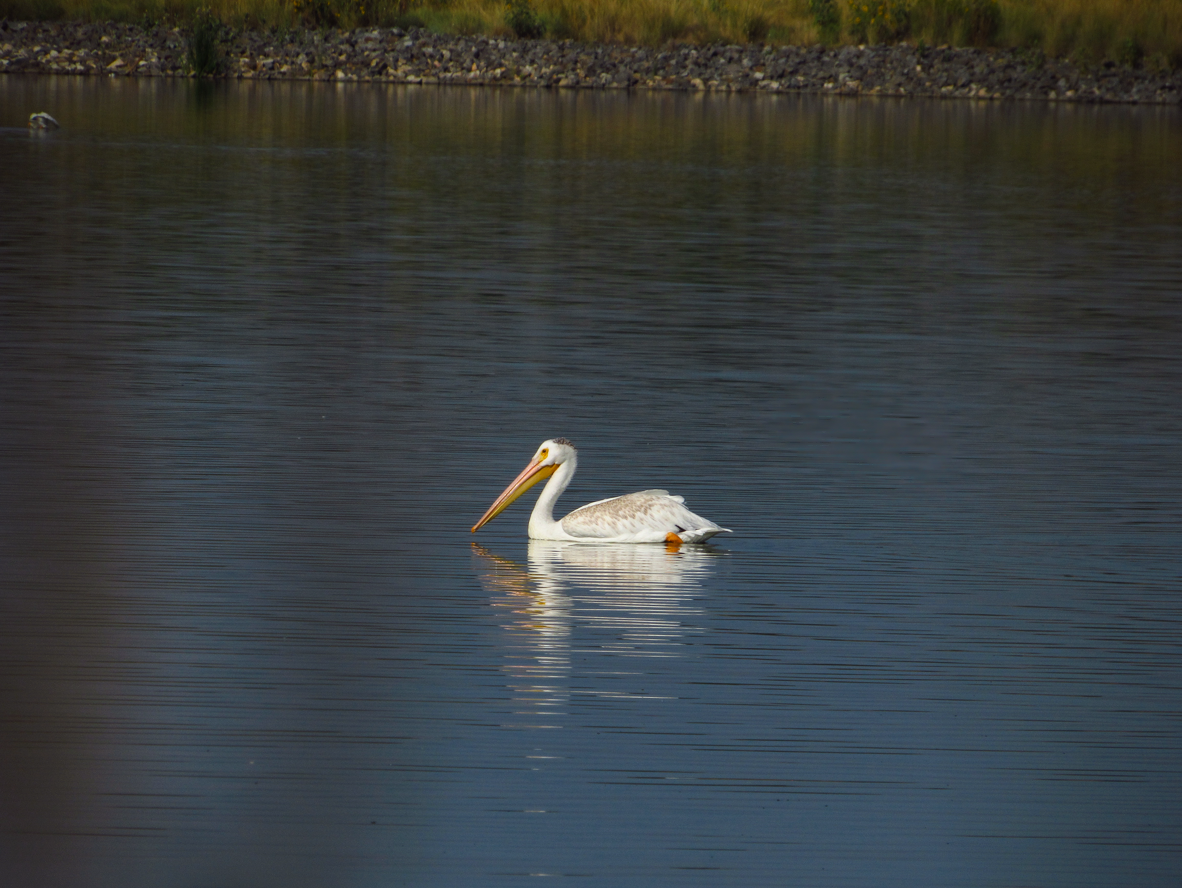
point(629, 601)
point(650, 516)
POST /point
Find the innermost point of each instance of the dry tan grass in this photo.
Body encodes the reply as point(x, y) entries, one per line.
point(1131, 31)
point(1092, 30)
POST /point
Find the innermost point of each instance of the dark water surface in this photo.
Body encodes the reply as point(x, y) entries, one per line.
point(266, 353)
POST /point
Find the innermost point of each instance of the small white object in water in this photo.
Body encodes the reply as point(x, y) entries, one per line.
point(42, 121)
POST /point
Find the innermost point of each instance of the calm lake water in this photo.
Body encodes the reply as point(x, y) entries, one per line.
point(267, 353)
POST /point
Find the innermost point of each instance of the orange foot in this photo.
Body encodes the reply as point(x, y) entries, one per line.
point(672, 542)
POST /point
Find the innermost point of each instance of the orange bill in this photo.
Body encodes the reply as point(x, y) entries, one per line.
point(530, 475)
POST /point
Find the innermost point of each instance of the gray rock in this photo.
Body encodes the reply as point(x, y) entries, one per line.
point(418, 56)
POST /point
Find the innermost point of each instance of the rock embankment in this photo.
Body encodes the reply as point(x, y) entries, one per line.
point(395, 56)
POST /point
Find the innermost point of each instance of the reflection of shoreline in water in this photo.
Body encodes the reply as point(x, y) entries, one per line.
point(635, 594)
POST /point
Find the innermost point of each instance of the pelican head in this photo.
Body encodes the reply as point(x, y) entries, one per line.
point(552, 454)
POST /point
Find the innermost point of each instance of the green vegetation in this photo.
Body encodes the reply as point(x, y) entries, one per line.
point(878, 21)
point(827, 17)
point(523, 21)
point(205, 44)
point(1128, 32)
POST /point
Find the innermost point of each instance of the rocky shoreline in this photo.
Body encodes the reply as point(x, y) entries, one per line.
point(393, 56)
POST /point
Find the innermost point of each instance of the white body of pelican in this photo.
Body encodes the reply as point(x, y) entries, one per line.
point(650, 516)
point(39, 120)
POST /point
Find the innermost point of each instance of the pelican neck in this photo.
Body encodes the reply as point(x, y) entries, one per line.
point(542, 525)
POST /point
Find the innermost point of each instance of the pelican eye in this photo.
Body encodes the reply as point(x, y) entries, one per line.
point(545, 453)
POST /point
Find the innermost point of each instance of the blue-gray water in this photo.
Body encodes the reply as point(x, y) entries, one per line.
point(266, 353)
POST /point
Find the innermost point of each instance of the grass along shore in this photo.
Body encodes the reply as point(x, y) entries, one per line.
point(1132, 33)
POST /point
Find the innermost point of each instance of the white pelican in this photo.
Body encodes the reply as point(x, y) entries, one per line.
point(650, 516)
point(39, 120)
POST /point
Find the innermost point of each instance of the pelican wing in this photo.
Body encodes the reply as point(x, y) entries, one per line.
point(647, 516)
